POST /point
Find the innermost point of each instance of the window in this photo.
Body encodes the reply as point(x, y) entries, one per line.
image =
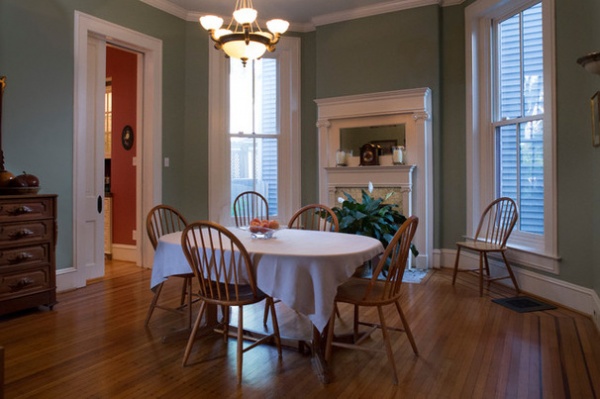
point(510, 124)
point(254, 130)
point(518, 120)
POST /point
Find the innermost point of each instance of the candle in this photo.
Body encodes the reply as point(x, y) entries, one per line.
point(397, 155)
point(340, 158)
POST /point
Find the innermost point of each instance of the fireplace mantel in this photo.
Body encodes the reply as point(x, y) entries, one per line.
point(414, 180)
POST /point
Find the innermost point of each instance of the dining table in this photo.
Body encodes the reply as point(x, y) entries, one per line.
point(301, 268)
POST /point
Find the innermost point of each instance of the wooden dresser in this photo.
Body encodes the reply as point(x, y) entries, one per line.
point(27, 251)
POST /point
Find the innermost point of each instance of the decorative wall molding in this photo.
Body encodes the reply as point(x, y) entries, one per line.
point(383, 7)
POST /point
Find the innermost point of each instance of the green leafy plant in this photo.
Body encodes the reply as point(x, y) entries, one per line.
point(372, 217)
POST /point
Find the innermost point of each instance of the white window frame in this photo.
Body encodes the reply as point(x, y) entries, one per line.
point(535, 251)
point(219, 205)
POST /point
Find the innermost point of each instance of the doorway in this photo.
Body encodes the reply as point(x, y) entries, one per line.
point(91, 38)
point(122, 96)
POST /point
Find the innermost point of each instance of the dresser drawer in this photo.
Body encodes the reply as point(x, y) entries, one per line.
point(24, 281)
point(23, 233)
point(16, 209)
point(25, 255)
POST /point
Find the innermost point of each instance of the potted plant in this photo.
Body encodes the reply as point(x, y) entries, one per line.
point(372, 217)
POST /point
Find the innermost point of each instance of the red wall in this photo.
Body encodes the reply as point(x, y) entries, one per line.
point(121, 66)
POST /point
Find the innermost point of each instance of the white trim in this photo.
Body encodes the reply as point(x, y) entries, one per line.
point(539, 253)
point(124, 252)
point(289, 172)
point(382, 7)
point(575, 297)
point(150, 128)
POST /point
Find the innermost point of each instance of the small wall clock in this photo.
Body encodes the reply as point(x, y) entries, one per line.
point(127, 137)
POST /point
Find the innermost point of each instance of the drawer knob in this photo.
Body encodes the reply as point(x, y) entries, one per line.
point(21, 233)
point(21, 257)
point(20, 284)
point(21, 210)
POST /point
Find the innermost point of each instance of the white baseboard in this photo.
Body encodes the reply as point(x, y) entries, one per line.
point(581, 299)
point(124, 252)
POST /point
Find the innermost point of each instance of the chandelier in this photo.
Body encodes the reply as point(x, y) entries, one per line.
point(243, 38)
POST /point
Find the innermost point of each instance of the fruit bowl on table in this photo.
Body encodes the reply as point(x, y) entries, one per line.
point(261, 232)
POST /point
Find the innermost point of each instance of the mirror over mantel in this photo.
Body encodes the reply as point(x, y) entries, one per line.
point(352, 138)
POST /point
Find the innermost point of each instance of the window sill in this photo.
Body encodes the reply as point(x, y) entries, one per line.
point(533, 259)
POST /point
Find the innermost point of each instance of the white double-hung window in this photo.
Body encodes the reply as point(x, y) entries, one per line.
point(510, 121)
point(254, 131)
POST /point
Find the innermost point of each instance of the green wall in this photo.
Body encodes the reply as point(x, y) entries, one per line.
point(422, 47)
point(36, 55)
point(577, 33)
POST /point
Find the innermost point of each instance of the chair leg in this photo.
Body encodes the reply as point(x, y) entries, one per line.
point(266, 315)
point(275, 326)
point(355, 323)
point(153, 303)
point(226, 315)
point(510, 272)
point(481, 273)
point(330, 334)
point(456, 265)
point(189, 304)
point(192, 337)
point(407, 328)
point(486, 264)
point(184, 291)
point(388, 345)
point(240, 341)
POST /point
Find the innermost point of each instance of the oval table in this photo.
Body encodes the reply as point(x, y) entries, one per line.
point(302, 268)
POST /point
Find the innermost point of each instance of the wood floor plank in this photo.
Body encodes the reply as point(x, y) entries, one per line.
point(94, 345)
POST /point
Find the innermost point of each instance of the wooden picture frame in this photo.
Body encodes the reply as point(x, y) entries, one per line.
point(595, 108)
point(385, 145)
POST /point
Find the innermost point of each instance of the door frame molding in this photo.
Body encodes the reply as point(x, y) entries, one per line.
point(149, 132)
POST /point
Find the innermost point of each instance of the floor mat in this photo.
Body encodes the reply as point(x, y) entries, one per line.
point(413, 275)
point(523, 304)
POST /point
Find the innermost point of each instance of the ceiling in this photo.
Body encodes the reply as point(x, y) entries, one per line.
point(303, 15)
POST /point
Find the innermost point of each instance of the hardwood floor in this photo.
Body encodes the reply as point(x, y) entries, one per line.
point(94, 345)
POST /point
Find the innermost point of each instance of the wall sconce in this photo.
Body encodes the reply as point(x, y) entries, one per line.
point(591, 62)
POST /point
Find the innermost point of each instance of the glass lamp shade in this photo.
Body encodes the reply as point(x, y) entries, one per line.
point(211, 22)
point(591, 62)
point(278, 26)
point(239, 49)
point(245, 15)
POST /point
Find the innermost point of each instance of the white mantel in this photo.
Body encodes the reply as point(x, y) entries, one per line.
point(414, 180)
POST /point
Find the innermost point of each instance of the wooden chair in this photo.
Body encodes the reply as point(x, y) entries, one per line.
point(224, 280)
point(315, 217)
point(495, 226)
point(378, 293)
point(249, 205)
point(161, 220)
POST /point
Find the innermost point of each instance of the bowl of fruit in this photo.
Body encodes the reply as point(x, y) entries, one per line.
point(24, 183)
point(263, 228)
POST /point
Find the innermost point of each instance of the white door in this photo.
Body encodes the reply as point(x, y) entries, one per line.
point(90, 180)
point(91, 35)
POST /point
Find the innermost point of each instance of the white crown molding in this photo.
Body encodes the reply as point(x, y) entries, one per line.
point(361, 12)
point(381, 8)
point(168, 7)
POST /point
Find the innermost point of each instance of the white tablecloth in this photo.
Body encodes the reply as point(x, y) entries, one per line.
point(301, 268)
